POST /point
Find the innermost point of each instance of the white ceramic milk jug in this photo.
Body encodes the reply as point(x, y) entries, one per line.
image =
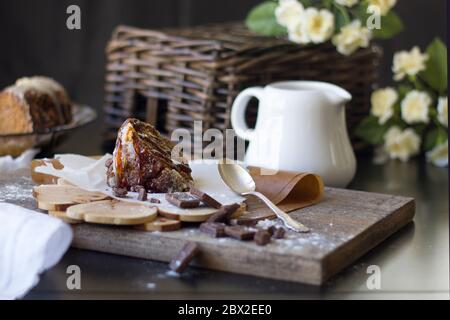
point(300, 127)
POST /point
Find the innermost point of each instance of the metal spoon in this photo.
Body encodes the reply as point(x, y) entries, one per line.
point(241, 182)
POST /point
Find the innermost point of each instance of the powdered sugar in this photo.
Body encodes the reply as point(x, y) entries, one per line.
point(13, 192)
point(312, 241)
point(17, 189)
point(266, 224)
point(172, 274)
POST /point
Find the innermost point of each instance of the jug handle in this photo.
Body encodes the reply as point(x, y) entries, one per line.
point(238, 112)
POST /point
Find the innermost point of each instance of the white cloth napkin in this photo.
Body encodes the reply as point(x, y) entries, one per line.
point(30, 243)
point(8, 163)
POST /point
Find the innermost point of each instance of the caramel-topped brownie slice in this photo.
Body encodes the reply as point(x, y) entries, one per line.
point(143, 157)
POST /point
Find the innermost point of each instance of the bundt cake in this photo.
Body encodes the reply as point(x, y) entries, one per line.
point(34, 104)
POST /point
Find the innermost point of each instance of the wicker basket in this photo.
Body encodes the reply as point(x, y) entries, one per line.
point(173, 77)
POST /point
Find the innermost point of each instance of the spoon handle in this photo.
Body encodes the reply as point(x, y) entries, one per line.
point(287, 219)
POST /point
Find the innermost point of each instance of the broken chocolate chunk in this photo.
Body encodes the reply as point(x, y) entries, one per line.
point(182, 200)
point(153, 200)
point(243, 222)
point(120, 192)
point(233, 222)
point(184, 257)
point(262, 237)
point(142, 196)
point(214, 229)
point(136, 188)
point(272, 230)
point(240, 232)
point(108, 163)
point(224, 213)
point(279, 233)
point(205, 198)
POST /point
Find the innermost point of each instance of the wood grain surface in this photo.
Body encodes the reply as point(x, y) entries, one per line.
point(344, 226)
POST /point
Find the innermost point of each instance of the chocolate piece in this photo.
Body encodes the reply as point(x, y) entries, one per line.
point(233, 222)
point(272, 230)
point(143, 157)
point(120, 192)
point(224, 213)
point(243, 222)
point(250, 220)
point(240, 232)
point(182, 259)
point(142, 196)
point(205, 198)
point(108, 163)
point(153, 200)
point(136, 188)
point(214, 229)
point(262, 237)
point(279, 233)
point(182, 200)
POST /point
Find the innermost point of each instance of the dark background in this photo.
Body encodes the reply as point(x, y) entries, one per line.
point(35, 40)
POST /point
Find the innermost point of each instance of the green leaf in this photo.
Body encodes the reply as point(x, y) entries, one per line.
point(306, 3)
point(442, 136)
point(360, 12)
point(262, 20)
point(430, 139)
point(435, 73)
point(371, 131)
point(391, 25)
point(341, 16)
point(419, 128)
point(435, 137)
point(403, 90)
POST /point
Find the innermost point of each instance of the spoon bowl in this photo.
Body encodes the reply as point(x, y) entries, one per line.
point(237, 178)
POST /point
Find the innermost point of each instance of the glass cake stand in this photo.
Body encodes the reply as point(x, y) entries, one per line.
point(16, 144)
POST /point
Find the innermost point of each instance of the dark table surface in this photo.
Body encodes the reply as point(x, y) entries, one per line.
point(414, 263)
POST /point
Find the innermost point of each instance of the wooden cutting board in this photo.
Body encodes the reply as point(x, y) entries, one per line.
point(344, 226)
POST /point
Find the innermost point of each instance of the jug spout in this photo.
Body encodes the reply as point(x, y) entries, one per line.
point(338, 96)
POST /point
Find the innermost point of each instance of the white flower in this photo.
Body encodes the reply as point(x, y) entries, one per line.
point(351, 37)
point(443, 110)
point(289, 13)
point(415, 107)
point(383, 5)
point(297, 34)
point(439, 155)
point(408, 63)
point(346, 3)
point(318, 25)
point(401, 144)
point(382, 102)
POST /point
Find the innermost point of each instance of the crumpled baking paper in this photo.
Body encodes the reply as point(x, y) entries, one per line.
point(90, 174)
point(8, 163)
